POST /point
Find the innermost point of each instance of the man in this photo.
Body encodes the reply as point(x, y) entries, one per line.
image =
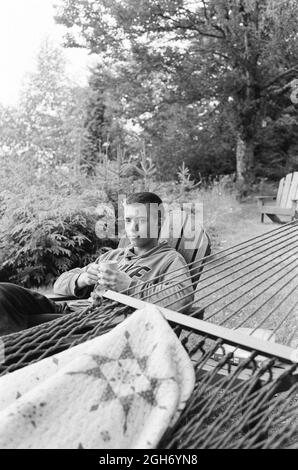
point(146, 269)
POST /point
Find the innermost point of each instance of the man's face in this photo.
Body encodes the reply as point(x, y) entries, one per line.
point(141, 223)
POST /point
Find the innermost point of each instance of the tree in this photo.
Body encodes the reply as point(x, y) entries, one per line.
point(240, 54)
point(103, 121)
point(51, 110)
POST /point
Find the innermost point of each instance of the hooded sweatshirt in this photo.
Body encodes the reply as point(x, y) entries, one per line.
point(159, 276)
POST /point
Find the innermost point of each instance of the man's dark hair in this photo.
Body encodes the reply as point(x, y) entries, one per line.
point(143, 198)
point(148, 198)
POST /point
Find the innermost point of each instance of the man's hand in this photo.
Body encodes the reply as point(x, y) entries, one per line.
point(114, 280)
point(89, 277)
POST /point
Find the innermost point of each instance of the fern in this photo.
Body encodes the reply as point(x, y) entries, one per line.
point(37, 249)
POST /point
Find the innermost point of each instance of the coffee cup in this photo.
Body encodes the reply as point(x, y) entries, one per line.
point(113, 266)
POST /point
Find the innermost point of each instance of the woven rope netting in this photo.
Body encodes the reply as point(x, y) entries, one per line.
point(249, 404)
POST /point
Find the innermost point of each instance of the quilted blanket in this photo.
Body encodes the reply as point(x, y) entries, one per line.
point(120, 390)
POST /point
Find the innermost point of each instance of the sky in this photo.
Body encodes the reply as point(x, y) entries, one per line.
point(23, 26)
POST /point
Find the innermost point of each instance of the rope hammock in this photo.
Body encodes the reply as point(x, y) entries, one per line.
point(234, 404)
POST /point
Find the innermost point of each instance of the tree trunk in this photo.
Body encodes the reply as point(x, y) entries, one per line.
point(244, 165)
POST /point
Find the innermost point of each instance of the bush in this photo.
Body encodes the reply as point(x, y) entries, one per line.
point(48, 229)
point(37, 248)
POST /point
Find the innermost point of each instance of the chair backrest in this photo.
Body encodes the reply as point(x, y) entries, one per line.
point(287, 190)
point(188, 238)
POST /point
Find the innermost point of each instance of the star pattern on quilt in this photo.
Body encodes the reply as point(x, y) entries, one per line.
point(126, 378)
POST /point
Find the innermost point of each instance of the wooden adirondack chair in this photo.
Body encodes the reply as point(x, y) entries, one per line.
point(190, 241)
point(285, 201)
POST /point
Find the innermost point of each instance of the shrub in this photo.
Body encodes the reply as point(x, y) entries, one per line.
point(39, 247)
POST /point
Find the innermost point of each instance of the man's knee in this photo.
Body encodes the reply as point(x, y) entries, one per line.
point(4, 291)
point(24, 301)
point(10, 292)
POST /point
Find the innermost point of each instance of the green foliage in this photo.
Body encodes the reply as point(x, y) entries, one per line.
point(144, 168)
point(185, 64)
point(49, 228)
point(37, 249)
point(185, 181)
point(47, 126)
point(104, 131)
point(94, 123)
point(277, 144)
point(45, 101)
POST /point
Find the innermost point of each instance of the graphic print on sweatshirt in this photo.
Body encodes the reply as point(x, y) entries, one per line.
point(136, 271)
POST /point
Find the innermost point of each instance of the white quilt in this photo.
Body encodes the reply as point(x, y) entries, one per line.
point(120, 390)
